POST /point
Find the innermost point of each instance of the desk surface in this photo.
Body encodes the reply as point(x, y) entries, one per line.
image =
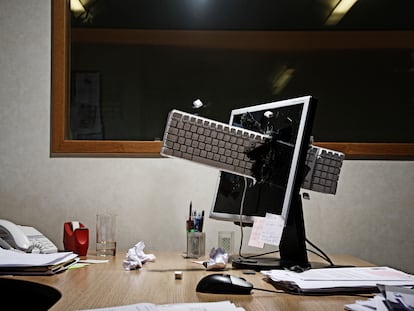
point(108, 284)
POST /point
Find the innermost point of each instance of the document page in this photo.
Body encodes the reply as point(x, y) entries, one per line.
point(134, 307)
point(201, 306)
point(13, 258)
point(355, 274)
point(196, 306)
point(341, 277)
point(398, 298)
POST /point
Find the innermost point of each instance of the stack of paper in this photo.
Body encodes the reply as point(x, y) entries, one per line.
point(205, 306)
point(336, 280)
point(19, 263)
point(392, 298)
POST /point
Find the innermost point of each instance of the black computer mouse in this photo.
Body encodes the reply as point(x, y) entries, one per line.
point(220, 283)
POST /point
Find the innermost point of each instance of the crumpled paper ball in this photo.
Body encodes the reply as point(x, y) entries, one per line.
point(218, 259)
point(136, 257)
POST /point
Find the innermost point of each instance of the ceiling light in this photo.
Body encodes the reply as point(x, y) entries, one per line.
point(77, 7)
point(341, 8)
point(281, 79)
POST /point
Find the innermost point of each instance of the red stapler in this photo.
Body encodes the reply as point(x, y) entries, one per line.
point(76, 237)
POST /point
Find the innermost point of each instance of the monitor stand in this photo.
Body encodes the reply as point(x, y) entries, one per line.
point(292, 248)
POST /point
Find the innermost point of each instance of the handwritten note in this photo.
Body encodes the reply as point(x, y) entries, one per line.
point(272, 229)
point(267, 230)
point(256, 232)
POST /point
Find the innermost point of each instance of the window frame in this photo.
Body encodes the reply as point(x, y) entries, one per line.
point(61, 145)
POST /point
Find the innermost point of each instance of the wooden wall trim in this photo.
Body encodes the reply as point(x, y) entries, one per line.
point(102, 148)
point(60, 75)
point(391, 151)
point(105, 148)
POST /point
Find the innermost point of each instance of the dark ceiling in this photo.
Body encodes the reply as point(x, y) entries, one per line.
point(245, 14)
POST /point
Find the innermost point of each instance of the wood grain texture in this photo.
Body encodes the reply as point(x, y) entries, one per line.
point(108, 284)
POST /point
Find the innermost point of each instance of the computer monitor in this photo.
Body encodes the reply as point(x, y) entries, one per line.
point(278, 192)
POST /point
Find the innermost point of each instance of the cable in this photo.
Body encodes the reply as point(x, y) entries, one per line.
point(258, 255)
point(322, 254)
point(241, 226)
point(241, 214)
point(270, 290)
point(319, 251)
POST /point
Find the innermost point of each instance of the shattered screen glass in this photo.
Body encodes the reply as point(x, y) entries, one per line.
point(267, 195)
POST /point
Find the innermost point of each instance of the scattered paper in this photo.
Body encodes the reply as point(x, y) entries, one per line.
point(399, 298)
point(136, 257)
point(86, 262)
point(12, 258)
point(78, 266)
point(332, 279)
point(93, 261)
point(197, 306)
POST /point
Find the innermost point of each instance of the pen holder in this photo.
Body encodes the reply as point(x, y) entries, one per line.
point(76, 237)
point(196, 244)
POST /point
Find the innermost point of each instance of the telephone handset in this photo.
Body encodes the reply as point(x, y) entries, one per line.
point(24, 238)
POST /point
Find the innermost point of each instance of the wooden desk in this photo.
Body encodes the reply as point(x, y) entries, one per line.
point(108, 284)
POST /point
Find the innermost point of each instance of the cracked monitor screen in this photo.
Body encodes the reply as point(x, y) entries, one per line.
point(280, 163)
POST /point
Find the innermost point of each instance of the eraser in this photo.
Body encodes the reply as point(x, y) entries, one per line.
point(178, 275)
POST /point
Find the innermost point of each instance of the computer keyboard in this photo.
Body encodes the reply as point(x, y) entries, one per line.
point(209, 142)
point(324, 168)
point(225, 147)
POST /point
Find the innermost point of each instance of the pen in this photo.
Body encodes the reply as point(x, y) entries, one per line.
point(201, 221)
point(198, 223)
point(190, 223)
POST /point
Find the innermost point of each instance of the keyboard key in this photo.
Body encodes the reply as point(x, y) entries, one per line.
point(324, 167)
point(209, 142)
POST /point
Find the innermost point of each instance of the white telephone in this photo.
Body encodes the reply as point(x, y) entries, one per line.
point(24, 238)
